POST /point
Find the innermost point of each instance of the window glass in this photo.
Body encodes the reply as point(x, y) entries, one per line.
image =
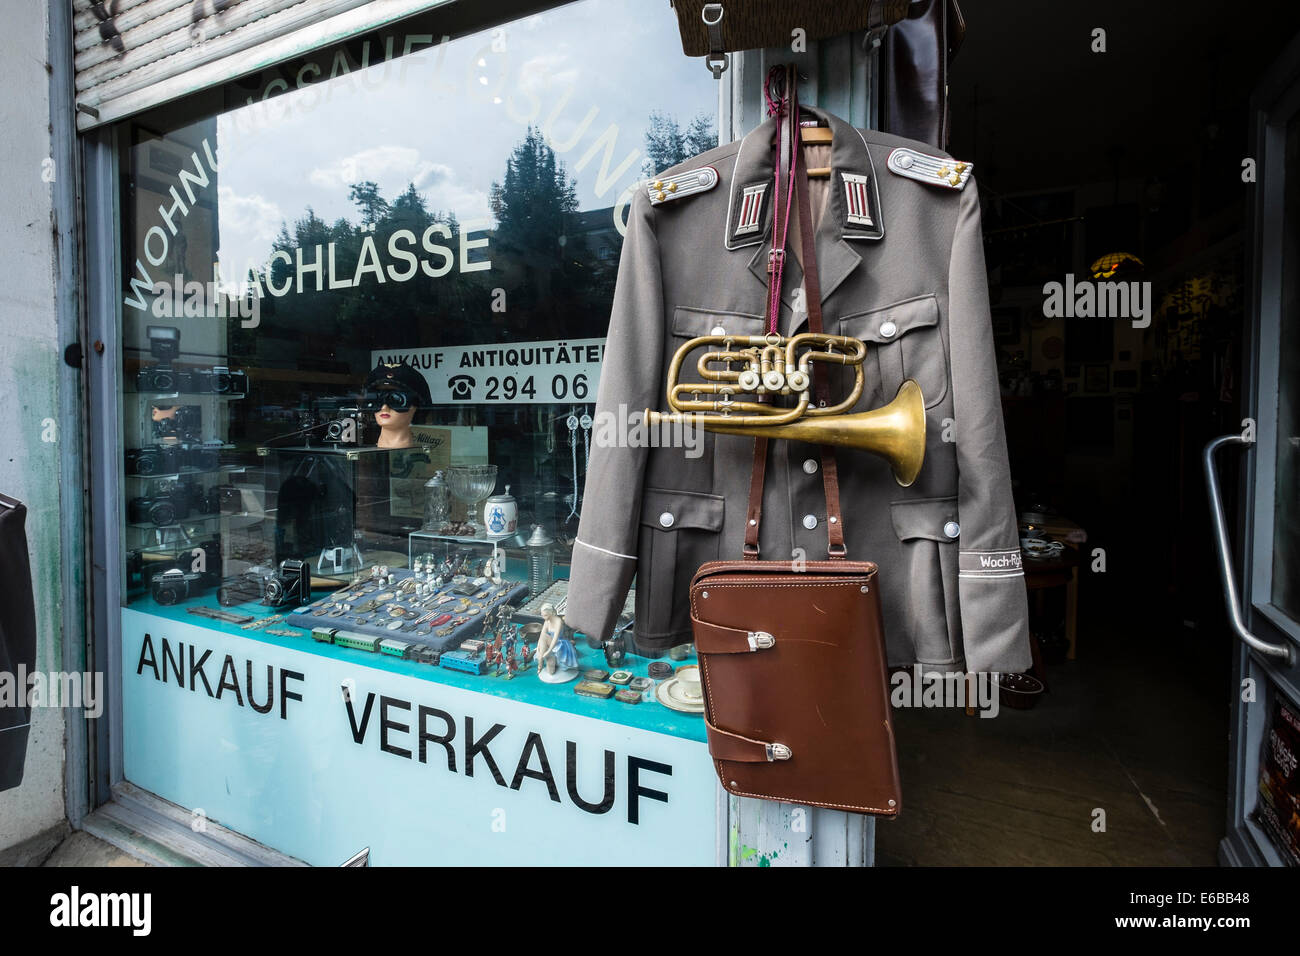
point(363, 315)
point(1286, 519)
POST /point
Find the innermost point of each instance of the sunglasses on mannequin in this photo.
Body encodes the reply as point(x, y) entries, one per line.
point(396, 400)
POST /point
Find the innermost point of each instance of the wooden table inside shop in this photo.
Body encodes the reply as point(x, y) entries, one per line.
point(1062, 569)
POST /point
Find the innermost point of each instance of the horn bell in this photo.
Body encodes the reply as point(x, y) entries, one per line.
point(895, 432)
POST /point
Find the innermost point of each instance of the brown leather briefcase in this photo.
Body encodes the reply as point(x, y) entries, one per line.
point(795, 687)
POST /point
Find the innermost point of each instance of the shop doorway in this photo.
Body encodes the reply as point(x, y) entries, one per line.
point(1125, 162)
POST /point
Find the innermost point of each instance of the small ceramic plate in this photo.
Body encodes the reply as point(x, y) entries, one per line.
point(671, 696)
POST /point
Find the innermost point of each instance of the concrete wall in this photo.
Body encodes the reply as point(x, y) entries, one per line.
point(29, 361)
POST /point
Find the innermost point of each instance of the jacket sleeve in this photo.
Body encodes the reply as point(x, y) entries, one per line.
point(991, 584)
point(604, 555)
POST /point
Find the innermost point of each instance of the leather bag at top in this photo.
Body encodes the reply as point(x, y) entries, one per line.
point(918, 51)
point(755, 24)
point(792, 656)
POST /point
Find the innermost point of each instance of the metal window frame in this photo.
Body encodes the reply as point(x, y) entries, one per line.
point(1274, 104)
point(842, 73)
point(1273, 117)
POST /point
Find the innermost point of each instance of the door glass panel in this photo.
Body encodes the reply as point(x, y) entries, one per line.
point(1286, 517)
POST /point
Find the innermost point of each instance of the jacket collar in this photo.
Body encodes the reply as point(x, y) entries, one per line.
point(845, 219)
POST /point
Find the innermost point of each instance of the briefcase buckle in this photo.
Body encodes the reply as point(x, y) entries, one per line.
point(761, 640)
point(778, 752)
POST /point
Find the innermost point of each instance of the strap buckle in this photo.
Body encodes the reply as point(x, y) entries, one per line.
point(717, 60)
point(778, 752)
point(775, 259)
point(761, 640)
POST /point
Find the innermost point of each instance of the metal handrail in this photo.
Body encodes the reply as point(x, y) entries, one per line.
point(1226, 571)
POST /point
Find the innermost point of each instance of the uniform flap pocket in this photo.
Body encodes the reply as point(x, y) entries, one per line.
point(934, 519)
point(691, 322)
point(886, 325)
point(670, 510)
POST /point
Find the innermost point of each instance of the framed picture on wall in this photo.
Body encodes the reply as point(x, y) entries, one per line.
point(1096, 378)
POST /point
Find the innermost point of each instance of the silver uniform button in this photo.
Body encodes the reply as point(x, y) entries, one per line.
point(952, 529)
point(887, 330)
point(810, 466)
point(810, 521)
point(666, 520)
point(718, 330)
point(904, 161)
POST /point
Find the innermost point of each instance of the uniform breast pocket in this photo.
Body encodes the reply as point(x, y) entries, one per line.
point(680, 530)
point(903, 341)
point(690, 322)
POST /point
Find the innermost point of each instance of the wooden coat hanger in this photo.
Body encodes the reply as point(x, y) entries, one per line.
point(815, 136)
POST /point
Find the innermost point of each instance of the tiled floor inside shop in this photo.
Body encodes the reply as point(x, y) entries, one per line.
point(1136, 726)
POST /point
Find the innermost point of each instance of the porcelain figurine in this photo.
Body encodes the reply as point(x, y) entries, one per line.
point(557, 659)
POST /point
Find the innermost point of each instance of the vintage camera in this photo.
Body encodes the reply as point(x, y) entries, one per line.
point(333, 421)
point(158, 510)
point(289, 584)
point(220, 380)
point(164, 345)
point(343, 428)
point(168, 459)
point(175, 585)
point(169, 504)
point(188, 574)
point(154, 460)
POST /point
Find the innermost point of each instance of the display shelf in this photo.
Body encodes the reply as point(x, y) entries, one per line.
point(191, 472)
point(180, 523)
point(163, 396)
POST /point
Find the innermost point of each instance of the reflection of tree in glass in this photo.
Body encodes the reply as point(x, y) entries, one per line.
point(373, 206)
point(541, 252)
point(555, 264)
point(666, 145)
point(532, 202)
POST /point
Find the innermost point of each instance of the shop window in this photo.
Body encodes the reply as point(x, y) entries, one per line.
point(364, 308)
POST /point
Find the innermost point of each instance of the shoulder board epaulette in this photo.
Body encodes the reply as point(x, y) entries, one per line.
point(663, 189)
point(934, 170)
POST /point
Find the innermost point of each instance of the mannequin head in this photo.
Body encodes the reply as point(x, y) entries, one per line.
point(394, 426)
point(394, 394)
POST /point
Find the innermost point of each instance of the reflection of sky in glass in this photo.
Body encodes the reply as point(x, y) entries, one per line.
point(448, 118)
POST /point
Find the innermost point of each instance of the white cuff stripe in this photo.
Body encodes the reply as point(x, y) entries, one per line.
point(990, 574)
point(629, 557)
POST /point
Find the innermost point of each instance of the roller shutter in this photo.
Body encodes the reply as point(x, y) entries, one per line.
point(131, 55)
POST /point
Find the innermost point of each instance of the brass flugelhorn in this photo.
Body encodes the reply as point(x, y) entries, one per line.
point(771, 365)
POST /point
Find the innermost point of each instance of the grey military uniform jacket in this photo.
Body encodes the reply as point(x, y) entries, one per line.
point(902, 267)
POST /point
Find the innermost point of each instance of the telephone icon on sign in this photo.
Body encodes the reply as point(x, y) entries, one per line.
point(460, 386)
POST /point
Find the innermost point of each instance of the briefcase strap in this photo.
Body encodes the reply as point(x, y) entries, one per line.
point(716, 639)
point(724, 745)
point(789, 167)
